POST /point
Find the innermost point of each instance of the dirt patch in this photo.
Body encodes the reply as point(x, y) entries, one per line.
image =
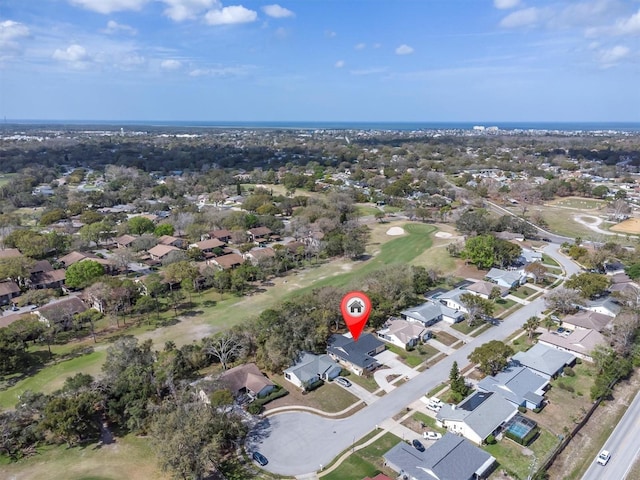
point(586, 444)
point(632, 225)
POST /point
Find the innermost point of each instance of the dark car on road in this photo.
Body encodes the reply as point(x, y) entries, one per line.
point(260, 458)
point(417, 444)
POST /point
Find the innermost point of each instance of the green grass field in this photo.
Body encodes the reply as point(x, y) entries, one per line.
point(6, 178)
point(128, 458)
point(579, 203)
point(366, 462)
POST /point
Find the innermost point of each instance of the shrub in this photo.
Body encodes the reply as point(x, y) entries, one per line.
point(522, 409)
point(490, 440)
point(254, 408)
point(566, 387)
point(568, 371)
point(578, 361)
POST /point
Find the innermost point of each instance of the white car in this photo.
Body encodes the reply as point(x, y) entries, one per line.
point(432, 435)
point(604, 457)
point(434, 406)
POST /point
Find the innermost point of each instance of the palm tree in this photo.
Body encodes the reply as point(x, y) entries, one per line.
point(530, 326)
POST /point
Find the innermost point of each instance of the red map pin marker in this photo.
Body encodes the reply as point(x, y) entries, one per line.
point(356, 308)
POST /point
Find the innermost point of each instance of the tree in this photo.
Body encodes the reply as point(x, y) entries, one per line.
point(192, 439)
point(479, 250)
point(140, 225)
point(506, 252)
point(491, 357)
point(474, 222)
point(530, 326)
point(563, 299)
point(476, 307)
point(457, 383)
point(17, 269)
point(225, 347)
point(536, 269)
point(73, 418)
point(589, 285)
point(163, 229)
point(81, 274)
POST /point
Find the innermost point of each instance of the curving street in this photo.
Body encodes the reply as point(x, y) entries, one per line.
point(299, 443)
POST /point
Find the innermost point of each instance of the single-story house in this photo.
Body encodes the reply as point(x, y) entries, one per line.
point(479, 415)
point(622, 283)
point(452, 299)
point(226, 262)
point(613, 267)
point(41, 266)
point(506, 278)
point(9, 253)
point(160, 251)
point(450, 458)
point(8, 291)
point(310, 369)
point(207, 246)
point(529, 256)
point(519, 385)
point(50, 279)
point(61, 311)
point(580, 342)
point(606, 306)
point(75, 257)
point(247, 380)
point(403, 333)
point(543, 360)
point(6, 320)
point(125, 241)
point(427, 314)
point(171, 240)
point(587, 319)
point(356, 356)
point(223, 235)
point(259, 234)
point(484, 289)
point(256, 255)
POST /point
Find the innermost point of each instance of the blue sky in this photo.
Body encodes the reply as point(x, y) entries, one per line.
point(322, 60)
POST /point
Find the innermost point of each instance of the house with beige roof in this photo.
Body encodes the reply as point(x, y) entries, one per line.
point(8, 291)
point(580, 342)
point(160, 251)
point(403, 333)
point(227, 262)
point(586, 319)
point(247, 380)
point(484, 289)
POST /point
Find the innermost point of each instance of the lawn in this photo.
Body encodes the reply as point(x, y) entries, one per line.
point(128, 457)
point(329, 397)
point(365, 209)
point(479, 331)
point(366, 382)
point(578, 203)
point(503, 304)
point(547, 260)
point(366, 462)
point(511, 458)
point(416, 421)
point(445, 338)
point(523, 292)
point(416, 356)
point(52, 378)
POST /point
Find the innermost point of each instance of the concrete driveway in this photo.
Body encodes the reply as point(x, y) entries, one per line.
point(395, 367)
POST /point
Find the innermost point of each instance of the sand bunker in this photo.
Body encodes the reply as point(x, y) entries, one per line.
point(443, 235)
point(394, 231)
point(631, 225)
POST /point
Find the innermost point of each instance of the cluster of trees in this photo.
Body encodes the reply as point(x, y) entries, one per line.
point(486, 251)
point(141, 391)
point(491, 357)
point(479, 222)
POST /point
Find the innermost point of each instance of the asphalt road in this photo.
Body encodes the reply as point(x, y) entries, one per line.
point(624, 445)
point(298, 443)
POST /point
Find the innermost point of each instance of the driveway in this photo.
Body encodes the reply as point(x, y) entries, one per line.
point(396, 367)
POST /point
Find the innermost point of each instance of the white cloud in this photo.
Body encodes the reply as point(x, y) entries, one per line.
point(330, 33)
point(612, 56)
point(130, 60)
point(360, 46)
point(521, 18)
point(115, 27)
point(276, 11)
point(220, 72)
point(369, 71)
point(171, 64)
point(230, 15)
point(109, 6)
point(627, 26)
point(10, 35)
point(404, 50)
point(339, 64)
point(180, 10)
point(75, 55)
point(505, 4)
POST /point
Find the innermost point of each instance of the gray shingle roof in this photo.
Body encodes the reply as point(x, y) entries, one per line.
point(356, 353)
point(544, 359)
point(515, 384)
point(450, 458)
point(424, 313)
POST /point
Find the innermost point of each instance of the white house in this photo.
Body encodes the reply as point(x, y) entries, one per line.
point(403, 333)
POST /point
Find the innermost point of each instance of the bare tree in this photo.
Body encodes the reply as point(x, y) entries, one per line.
point(225, 347)
point(563, 299)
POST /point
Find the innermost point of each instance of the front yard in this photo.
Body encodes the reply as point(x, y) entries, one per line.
point(414, 357)
point(329, 397)
point(366, 462)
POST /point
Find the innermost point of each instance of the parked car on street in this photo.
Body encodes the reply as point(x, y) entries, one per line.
point(432, 435)
point(261, 459)
point(417, 444)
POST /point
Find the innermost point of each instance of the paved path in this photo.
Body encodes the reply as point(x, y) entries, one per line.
point(440, 346)
point(517, 300)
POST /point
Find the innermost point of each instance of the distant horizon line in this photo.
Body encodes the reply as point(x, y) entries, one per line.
point(340, 124)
